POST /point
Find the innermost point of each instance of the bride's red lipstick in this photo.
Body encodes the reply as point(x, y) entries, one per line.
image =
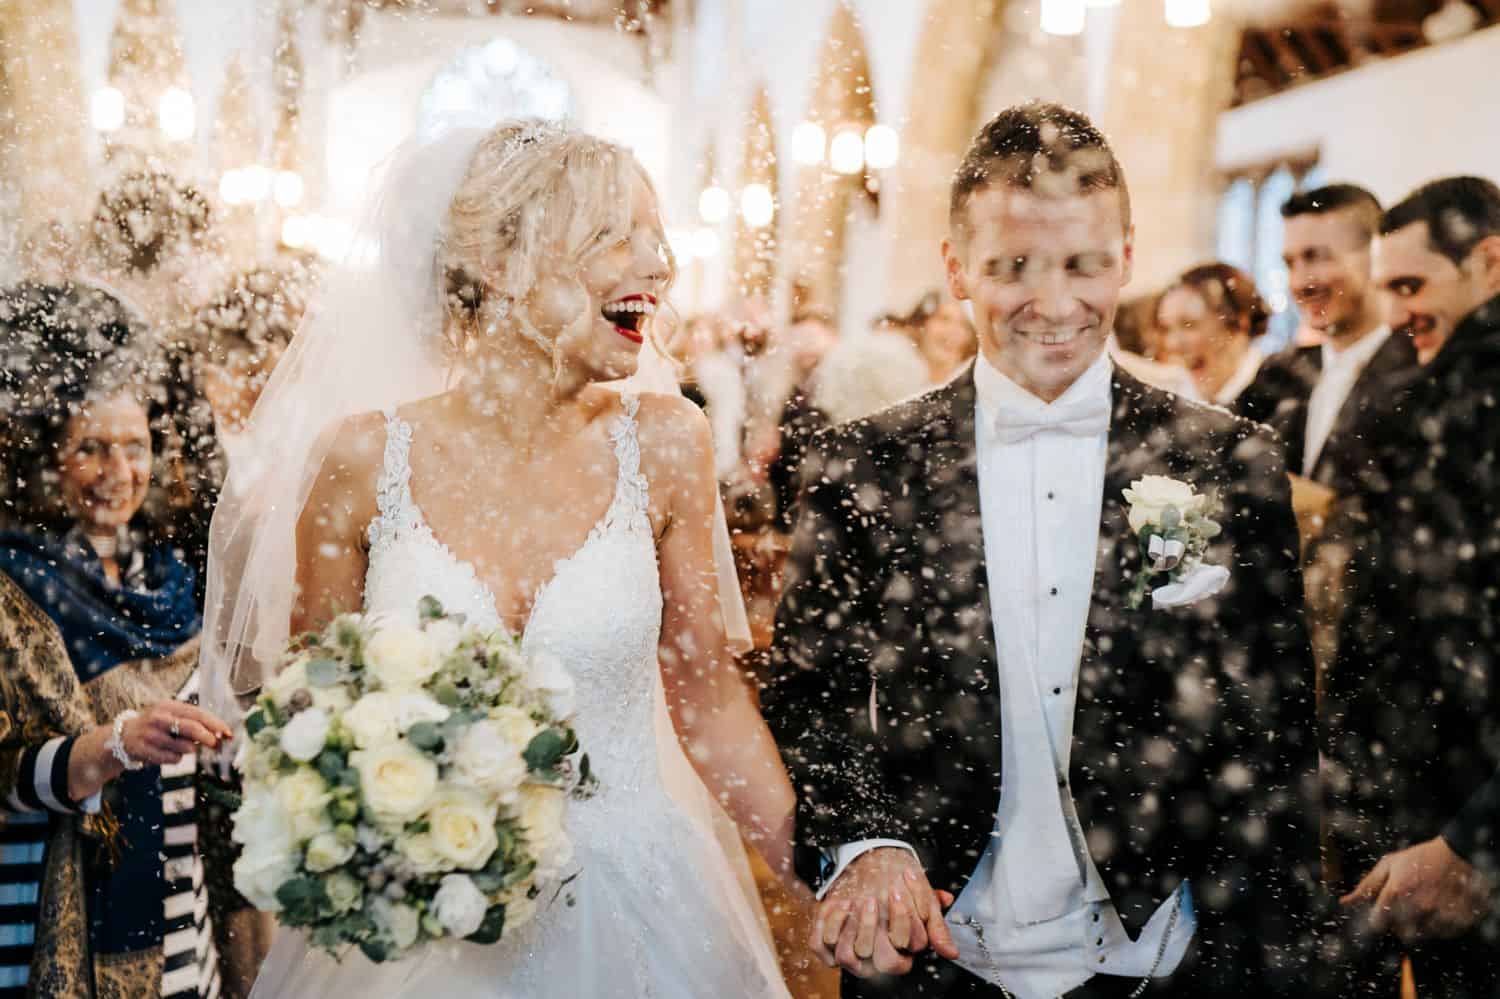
point(632, 335)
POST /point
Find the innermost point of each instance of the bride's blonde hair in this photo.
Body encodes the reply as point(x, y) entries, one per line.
point(531, 187)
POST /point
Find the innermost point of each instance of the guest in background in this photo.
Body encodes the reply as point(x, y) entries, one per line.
point(943, 334)
point(236, 339)
point(1413, 705)
point(50, 253)
point(151, 242)
point(809, 340)
point(1210, 318)
point(1137, 346)
point(1324, 392)
point(98, 626)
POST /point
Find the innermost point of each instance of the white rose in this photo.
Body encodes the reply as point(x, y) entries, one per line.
point(541, 816)
point(459, 905)
point(549, 678)
point(444, 635)
point(334, 700)
point(305, 797)
point(262, 820)
point(419, 852)
point(488, 755)
point(343, 891)
point(327, 851)
point(303, 737)
point(400, 656)
point(1150, 496)
point(258, 873)
point(381, 716)
point(396, 780)
point(462, 826)
point(400, 922)
point(292, 678)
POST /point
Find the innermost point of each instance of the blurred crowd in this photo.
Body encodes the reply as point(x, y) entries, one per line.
point(134, 356)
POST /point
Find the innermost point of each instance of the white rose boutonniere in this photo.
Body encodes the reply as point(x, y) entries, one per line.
point(1173, 526)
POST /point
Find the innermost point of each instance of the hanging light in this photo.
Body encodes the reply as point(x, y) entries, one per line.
point(175, 112)
point(882, 147)
point(1188, 13)
point(846, 153)
point(256, 181)
point(808, 142)
point(296, 231)
point(288, 188)
point(713, 204)
point(1063, 17)
point(757, 206)
point(232, 187)
point(107, 109)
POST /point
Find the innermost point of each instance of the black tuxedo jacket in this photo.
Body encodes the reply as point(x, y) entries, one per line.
point(1414, 699)
point(1194, 749)
point(1280, 393)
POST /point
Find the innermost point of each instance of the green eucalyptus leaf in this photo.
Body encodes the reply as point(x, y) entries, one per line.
point(546, 749)
point(491, 929)
point(324, 672)
point(429, 608)
point(426, 736)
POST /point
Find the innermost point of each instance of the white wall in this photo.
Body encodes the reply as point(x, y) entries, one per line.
point(1388, 126)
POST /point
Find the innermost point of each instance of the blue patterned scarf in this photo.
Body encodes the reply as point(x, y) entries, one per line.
point(150, 614)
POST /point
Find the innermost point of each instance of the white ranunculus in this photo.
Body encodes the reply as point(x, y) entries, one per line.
point(414, 706)
point(344, 893)
point(459, 905)
point(419, 852)
point(462, 826)
point(325, 852)
point(1150, 496)
point(287, 681)
point(400, 656)
point(258, 873)
point(304, 736)
point(262, 820)
point(400, 922)
point(396, 780)
point(488, 755)
point(305, 796)
point(550, 678)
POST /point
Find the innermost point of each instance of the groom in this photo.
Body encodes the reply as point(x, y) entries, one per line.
point(968, 697)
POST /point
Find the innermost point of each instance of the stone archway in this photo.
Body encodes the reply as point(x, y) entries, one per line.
point(842, 99)
point(755, 237)
point(949, 65)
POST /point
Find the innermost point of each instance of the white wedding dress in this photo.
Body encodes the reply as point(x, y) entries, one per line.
point(640, 920)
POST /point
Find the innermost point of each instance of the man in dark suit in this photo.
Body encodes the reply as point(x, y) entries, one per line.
point(1324, 392)
point(1413, 702)
point(992, 677)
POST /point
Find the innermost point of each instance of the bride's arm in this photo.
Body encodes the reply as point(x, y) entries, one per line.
point(330, 530)
point(709, 699)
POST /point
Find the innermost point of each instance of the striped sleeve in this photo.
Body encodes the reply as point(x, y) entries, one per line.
point(42, 781)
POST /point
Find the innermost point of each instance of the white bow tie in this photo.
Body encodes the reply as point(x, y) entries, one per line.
point(1080, 419)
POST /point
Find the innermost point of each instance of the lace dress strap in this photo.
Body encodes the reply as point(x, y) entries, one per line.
point(632, 492)
point(393, 487)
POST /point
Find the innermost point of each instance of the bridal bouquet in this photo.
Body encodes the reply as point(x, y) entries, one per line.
point(405, 781)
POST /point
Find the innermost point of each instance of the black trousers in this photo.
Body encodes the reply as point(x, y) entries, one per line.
point(939, 979)
point(1466, 968)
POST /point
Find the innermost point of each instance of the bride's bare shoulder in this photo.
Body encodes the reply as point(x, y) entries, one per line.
point(354, 452)
point(675, 439)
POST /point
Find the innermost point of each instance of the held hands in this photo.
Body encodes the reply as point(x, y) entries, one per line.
point(1423, 892)
point(168, 731)
point(880, 913)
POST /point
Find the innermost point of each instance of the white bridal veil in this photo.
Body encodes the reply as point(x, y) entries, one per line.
point(370, 343)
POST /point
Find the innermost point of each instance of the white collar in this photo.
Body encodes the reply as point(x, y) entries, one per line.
point(995, 389)
point(1359, 352)
point(1242, 377)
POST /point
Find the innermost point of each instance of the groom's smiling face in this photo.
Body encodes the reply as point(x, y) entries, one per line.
point(1043, 272)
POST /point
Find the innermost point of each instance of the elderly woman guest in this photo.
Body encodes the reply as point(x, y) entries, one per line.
point(1210, 318)
point(98, 741)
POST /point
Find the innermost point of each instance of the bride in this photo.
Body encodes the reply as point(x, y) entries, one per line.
point(450, 410)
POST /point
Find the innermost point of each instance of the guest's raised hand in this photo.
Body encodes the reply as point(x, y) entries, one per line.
point(169, 730)
point(1424, 892)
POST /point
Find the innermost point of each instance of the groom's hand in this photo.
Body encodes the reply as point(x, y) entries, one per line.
point(879, 914)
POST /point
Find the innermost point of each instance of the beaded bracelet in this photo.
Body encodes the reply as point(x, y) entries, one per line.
point(116, 743)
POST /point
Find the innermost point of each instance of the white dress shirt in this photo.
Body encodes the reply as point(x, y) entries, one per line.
point(1341, 369)
point(1240, 380)
point(1036, 917)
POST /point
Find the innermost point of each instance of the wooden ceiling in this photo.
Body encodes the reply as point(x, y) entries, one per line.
point(1326, 38)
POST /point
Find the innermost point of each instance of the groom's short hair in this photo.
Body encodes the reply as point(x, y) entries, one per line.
point(1042, 147)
